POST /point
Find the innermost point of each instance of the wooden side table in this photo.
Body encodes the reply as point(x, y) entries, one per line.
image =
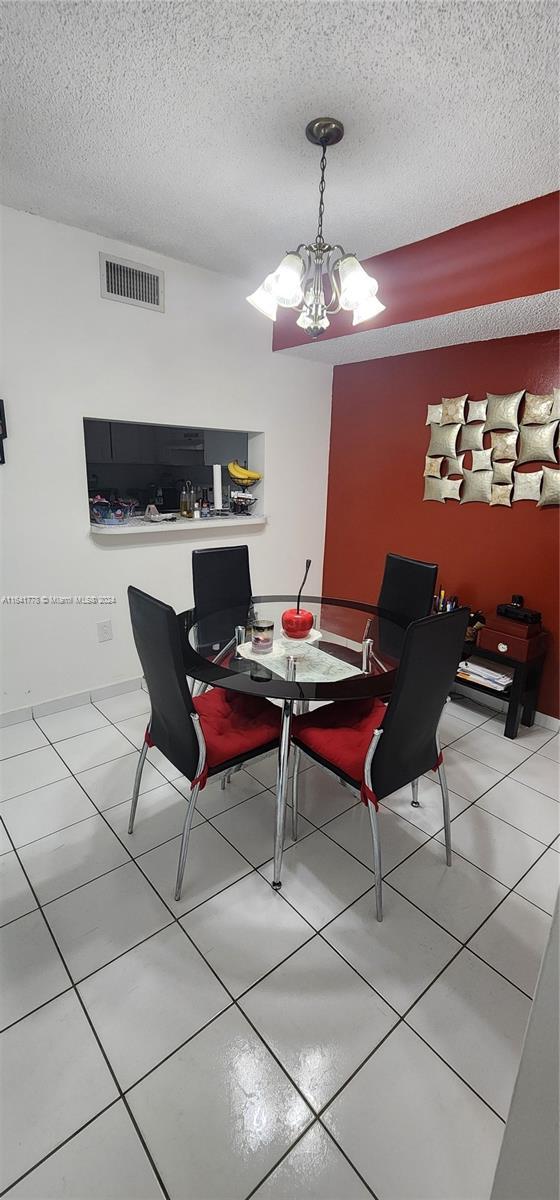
point(522, 695)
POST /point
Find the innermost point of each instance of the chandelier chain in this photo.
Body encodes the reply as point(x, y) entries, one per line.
point(323, 164)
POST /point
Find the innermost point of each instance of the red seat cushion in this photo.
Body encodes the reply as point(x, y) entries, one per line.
point(341, 733)
point(234, 725)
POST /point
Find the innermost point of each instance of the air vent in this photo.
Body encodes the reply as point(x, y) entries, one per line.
point(131, 283)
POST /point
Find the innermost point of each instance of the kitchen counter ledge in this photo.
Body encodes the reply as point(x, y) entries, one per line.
point(182, 525)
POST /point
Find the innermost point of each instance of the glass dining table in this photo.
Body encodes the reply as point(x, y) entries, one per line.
point(352, 652)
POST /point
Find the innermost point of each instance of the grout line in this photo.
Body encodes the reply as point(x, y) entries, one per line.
point(316, 933)
point(60, 1146)
point(85, 1012)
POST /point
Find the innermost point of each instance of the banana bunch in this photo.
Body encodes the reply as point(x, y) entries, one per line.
point(242, 476)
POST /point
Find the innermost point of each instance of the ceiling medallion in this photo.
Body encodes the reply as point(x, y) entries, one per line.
point(299, 280)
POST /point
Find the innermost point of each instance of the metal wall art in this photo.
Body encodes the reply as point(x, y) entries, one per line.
point(527, 485)
point(550, 491)
point(537, 409)
point(452, 409)
point(475, 445)
point(502, 472)
point(502, 411)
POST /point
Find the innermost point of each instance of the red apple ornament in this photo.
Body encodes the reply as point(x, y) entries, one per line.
point(297, 622)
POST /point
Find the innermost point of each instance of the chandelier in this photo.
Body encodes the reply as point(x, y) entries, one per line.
point(318, 279)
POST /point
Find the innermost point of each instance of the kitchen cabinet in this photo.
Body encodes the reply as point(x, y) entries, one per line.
point(133, 443)
point(97, 435)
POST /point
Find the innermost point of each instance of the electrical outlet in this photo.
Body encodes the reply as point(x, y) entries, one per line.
point(104, 631)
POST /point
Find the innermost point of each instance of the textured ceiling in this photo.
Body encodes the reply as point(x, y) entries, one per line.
point(180, 126)
point(528, 314)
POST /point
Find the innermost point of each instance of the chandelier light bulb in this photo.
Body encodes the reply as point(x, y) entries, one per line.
point(264, 302)
point(370, 308)
point(356, 286)
point(297, 282)
point(285, 282)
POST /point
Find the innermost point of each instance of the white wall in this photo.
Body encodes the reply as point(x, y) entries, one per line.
point(69, 354)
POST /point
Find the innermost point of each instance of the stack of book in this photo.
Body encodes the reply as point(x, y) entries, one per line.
point(475, 671)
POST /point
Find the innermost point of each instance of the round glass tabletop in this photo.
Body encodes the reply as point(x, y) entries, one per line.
point(351, 651)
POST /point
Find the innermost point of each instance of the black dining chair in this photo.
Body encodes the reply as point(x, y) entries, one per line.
point(407, 589)
point(377, 747)
point(202, 736)
point(221, 580)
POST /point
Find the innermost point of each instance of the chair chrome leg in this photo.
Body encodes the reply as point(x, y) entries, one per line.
point(136, 789)
point(185, 840)
point(376, 860)
point(295, 782)
point(446, 817)
point(225, 781)
point(415, 801)
point(282, 781)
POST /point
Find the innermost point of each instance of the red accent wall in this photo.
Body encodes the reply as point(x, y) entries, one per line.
point(377, 450)
point(506, 254)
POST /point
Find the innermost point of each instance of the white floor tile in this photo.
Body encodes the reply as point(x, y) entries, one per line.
point(321, 796)
point(105, 1160)
point(134, 729)
point(429, 816)
point(314, 1170)
point(71, 721)
point(298, 1011)
point(450, 728)
point(16, 897)
point(5, 843)
point(398, 838)
point(104, 918)
point(429, 1136)
point(163, 765)
point(476, 1020)
point(469, 711)
point(56, 1079)
point(540, 773)
point(213, 799)
point(500, 753)
point(250, 827)
point(320, 879)
point(71, 857)
point(165, 994)
point(534, 737)
point(400, 955)
point(246, 931)
point(128, 704)
point(32, 770)
point(531, 811)
point(465, 776)
point(551, 749)
point(19, 738)
point(30, 968)
point(459, 897)
point(540, 885)
point(46, 809)
point(513, 941)
point(160, 816)
point(494, 846)
point(264, 769)
point(91, 749)
point(212, 864)
point(112, 782)
point(219, 1114)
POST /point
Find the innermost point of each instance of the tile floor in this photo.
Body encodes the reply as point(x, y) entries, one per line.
point(248, 1043)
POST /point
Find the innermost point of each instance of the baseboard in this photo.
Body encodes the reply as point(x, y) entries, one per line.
point(15, 716)
point(53, 706)
point(73, 701)
point(117, 689)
